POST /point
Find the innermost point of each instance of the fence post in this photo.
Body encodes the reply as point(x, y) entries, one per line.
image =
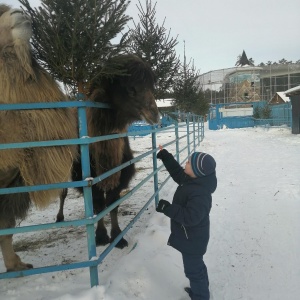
point(154, 159)
point(177, 141)
point(87, 191)
point(199, 128)
point(188, 132)
point(202, 126)
point(194, 132)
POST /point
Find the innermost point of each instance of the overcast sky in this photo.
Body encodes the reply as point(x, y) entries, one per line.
point(217, 31)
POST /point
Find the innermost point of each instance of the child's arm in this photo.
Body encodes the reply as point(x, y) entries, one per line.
point(172, 166)
point(197, 208)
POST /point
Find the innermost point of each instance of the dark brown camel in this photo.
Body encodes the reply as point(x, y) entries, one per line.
point(131, 98)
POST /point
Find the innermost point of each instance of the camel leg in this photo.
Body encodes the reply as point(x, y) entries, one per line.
point(11, 260)
point(115, 229)
point(101, 235)
point(60, 215)
point(12, 207)
point(114, 195)
point(111, 197)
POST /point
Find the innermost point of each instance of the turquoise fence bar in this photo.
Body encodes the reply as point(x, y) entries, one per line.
point(185, 142)
point(177, 142)
point(154, 160)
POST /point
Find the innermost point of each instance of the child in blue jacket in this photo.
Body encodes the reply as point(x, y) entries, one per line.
point(189, 214)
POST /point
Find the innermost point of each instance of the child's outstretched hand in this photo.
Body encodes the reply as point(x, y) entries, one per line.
point(161, 154)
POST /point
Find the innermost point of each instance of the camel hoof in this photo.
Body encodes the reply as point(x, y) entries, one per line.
point(122, 244)
point(102, 240)
point(60, 219)
point(21, 267)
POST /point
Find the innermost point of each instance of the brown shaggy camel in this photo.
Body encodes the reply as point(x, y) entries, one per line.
point(131, 98)
point(22, 80)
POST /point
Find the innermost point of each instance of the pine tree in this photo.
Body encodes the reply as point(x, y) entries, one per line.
point(152, 42)
point(242, 60)
point(283, 61)
point(251, 61)
point(266, 112)
point(72, 39)
point(189, 97)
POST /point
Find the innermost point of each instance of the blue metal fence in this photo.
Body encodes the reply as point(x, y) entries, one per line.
point(280, 115)
point(194, 128)
point(140, 126)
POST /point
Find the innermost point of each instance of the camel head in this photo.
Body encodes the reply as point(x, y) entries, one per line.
point(15, 33)
point(131, 93)
point(15, 25)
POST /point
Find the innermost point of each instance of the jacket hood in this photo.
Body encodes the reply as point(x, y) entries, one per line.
point(209, 182)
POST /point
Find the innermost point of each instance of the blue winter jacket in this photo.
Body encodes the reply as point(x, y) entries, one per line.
point(189, 211)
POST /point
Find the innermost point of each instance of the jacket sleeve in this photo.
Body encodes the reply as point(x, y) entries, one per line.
point(196, 209)
point(173, 167)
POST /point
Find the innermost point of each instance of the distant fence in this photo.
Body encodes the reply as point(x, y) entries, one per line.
point(194, 128)
point(140, 128)
point(218, 115)
point(167, 119)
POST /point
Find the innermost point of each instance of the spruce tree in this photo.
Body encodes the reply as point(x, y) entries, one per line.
point(242, 60)
point(72, 39)
point(188, 94)
point(153, 43)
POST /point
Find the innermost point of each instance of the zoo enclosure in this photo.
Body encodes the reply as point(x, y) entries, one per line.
point(194, 128)
point(225, 85)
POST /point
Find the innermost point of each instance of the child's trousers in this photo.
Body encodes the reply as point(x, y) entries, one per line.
point(195, 270)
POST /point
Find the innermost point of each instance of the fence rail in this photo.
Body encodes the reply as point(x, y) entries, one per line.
point(194, 134)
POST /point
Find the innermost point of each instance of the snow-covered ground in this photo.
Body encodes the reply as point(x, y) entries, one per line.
point(254, 247)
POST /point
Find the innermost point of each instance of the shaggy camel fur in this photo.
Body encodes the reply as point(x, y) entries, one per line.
point(22, 80)
point(131, 97)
